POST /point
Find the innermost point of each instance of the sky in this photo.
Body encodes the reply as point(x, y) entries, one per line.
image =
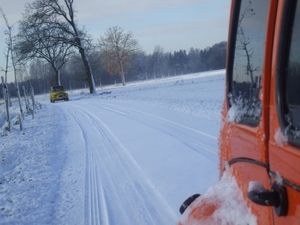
point(171, 24)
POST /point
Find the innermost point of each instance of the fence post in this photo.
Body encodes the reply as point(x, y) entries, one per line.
point(5, 95)
point(25, 99)
point(20, 122)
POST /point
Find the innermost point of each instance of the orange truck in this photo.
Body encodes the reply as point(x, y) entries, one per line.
point(259, 143)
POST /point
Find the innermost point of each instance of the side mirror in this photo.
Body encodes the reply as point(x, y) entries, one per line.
point(276, 197)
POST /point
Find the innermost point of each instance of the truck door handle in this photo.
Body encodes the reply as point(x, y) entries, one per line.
point(276, 197)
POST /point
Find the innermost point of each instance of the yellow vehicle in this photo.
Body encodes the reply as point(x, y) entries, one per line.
point(58, 94)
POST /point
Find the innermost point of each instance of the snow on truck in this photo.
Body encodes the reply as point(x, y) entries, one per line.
point(260, 136)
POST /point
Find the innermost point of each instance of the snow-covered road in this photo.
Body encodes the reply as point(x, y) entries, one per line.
point(116, 189)
point(133, 154)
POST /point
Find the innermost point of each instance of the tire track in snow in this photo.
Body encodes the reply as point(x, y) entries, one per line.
point(95, 206)
point(116, 190)
point(198, 141)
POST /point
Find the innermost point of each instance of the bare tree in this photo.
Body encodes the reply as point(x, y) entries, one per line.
point(7, 60)
point(40, 41)
point(10, 47)
point(159, 62)
point(6, 69)
point(244, 43)
point(60, 15)
point(118, 49)
point(40, 75)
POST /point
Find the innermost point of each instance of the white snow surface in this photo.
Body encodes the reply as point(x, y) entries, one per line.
point(127, 155)
point(227, 199)
point(256, 186)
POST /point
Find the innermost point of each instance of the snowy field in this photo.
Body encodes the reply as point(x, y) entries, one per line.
point(128, 155)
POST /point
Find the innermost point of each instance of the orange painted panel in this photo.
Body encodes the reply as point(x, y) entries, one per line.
point(284, 158)
point(286, 161)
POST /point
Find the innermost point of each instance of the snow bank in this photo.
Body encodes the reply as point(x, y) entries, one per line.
point(30, 166)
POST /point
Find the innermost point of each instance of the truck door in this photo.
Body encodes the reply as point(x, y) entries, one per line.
point(245, 132)
point(284, 140)
point(263, 87)
point(260, 134)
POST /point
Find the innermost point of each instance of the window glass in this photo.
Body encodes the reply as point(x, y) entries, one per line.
point(293, 78)
point(245, 106)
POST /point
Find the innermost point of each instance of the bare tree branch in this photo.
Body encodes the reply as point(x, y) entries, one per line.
point(59, 15)
point(118, 50)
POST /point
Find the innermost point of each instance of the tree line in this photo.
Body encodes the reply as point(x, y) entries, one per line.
point(50, 50)
point(40, 74)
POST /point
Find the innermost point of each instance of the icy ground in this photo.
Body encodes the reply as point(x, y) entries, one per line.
point(128, 155)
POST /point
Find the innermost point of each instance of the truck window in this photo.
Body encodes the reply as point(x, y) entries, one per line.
point(247, 64)
point(289, 75)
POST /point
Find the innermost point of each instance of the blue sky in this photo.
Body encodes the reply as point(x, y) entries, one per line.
point(171, 24)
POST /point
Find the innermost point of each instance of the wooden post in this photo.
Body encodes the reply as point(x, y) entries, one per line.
point(5, 95)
